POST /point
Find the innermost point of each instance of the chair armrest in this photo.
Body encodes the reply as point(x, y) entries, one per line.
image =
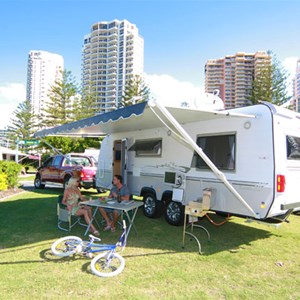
point(63, 206)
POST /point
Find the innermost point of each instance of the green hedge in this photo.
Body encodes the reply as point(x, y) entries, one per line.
point(12, 170)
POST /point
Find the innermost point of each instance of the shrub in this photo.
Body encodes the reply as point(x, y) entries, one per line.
point(12, 170)
point(3, 182)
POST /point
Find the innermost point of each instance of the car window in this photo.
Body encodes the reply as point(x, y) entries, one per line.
point(56, 161)
point(67, 162)
point(48, 162)
point(81, 160)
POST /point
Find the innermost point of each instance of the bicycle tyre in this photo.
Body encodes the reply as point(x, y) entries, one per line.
point(99, 267)
point(60, 248)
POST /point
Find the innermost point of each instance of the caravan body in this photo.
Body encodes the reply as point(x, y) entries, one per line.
point(254, 151)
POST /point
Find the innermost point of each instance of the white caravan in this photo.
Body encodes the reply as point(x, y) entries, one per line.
point(249, 157)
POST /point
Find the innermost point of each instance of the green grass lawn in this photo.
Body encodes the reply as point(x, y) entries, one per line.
point(242, 260)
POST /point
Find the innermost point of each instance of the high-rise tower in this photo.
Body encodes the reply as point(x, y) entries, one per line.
point(296, 87)
point(233, 76)
point(43, 69)
point(112, 53)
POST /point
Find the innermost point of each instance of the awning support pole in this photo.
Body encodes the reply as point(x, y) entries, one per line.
point(199, 150)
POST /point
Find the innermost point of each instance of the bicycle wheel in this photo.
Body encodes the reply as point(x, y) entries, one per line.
point(107, 264)
point(67, 246)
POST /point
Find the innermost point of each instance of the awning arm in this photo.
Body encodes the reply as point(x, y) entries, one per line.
point(199, 150)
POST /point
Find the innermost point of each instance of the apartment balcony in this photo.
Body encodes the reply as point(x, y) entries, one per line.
point(86, 61)
point(129, 52)
point(112, 68)
point(112, 56)
point(100, 62)
point(112, 46)
point(111, 79)
point(112, 72)
point(102, 33)
point(94, 55)
point(86, 72)
point(112, 62)
point(113, 31)
point(98, 39)
point(110, 90)
point(112, 39)
point(110, 101)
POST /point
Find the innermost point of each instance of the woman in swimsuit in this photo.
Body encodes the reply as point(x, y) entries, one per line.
point(71, 198)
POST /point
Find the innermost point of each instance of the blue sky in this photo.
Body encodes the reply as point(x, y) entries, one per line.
point(179, 35)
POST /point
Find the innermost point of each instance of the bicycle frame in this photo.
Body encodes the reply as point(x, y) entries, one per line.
point(106, 264)
point(87, 247)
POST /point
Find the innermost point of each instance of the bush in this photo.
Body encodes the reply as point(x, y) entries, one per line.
point(3, 182)
point(12, 170)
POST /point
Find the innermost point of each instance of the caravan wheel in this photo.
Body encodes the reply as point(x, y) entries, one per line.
point(152, 208)
point(174, 214)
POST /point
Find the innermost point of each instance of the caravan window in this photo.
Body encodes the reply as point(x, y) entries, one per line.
point(220, 149)
point(152, 147)
point(293, 147)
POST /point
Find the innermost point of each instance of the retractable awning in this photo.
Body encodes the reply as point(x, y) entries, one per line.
point(135, 117)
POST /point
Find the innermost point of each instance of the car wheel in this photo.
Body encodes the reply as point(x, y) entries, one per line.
point(152, 208)
point(174, 214)
point(38, 182)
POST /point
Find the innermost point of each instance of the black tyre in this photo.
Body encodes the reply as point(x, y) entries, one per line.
point(152, 208)
point(38, 182)
point(174, 213)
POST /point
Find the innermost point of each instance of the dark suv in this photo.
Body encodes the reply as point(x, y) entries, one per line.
point(60, 168)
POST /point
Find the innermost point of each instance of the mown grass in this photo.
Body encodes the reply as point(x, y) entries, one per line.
point(242, 261)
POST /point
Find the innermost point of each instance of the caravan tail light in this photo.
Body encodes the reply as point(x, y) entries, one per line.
point(280, 183)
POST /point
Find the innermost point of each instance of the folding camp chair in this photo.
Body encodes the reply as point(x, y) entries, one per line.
point(65, 216)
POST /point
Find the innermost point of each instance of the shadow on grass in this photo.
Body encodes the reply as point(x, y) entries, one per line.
point(31, 218)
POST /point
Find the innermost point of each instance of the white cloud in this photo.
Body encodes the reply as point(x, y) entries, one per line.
point(11, 94)
point(170, 91)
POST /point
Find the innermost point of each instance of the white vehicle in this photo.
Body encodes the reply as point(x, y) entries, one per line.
point(249, 157)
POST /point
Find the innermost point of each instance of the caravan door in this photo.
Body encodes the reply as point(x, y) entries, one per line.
point(124, 158)
point(112, 161)
point(120, 159)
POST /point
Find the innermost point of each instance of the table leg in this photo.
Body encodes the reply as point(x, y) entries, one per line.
point(131, 220)
point(92, 219)
point(184, 229)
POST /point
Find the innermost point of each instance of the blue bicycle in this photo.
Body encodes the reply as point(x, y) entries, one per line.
point(106, 264)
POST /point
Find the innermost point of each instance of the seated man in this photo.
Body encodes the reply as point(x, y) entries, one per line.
point(119, 192)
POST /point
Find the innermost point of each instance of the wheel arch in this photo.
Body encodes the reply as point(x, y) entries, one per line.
point(148, 190)
point(167, 197)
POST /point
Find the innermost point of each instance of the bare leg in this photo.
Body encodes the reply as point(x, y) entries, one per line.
point(84, 213)
point(105, 216)
point(115, 219)
point(89, 210)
